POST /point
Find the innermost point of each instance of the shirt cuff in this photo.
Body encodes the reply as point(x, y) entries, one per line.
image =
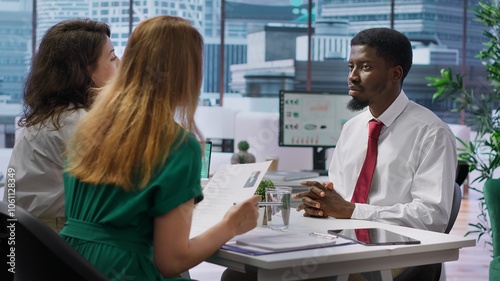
point(364, 212)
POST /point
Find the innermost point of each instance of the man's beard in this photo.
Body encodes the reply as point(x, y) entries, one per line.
point(356, 105)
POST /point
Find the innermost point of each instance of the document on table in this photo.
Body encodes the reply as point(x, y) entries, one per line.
point(262, 241)
point(230, 184)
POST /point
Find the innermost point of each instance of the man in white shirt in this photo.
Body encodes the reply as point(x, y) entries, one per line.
point(414, 172)
point(413, 180)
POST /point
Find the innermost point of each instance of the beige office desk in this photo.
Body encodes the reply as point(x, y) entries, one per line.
point(342, 260)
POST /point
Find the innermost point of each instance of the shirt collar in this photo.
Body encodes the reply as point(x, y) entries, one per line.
point(394, 110)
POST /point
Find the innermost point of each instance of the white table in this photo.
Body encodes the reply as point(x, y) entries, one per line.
point(342, 260)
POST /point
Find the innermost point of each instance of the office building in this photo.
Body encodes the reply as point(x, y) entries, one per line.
point(330, 40)
point(204, 15)
point(439, 21)
point(236, 29)
point(235, 52)
point(242, 16)
point(15, 47)
point(116, 14)
point(50, 12)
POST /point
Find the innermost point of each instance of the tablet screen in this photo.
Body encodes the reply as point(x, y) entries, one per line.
point(374, 236)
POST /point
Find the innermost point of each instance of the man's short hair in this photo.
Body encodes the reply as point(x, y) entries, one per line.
point(393, 46)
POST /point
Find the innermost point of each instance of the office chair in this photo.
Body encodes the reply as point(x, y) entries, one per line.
point(40, 254)
point(455, 207)
point(432, 272)
point(462, 172)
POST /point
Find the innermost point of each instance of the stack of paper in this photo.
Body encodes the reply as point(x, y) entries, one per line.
point(262, 241)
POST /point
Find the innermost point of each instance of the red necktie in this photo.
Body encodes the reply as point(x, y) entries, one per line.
point(365, 176)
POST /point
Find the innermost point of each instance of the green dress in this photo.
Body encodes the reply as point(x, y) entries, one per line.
point(113, 229)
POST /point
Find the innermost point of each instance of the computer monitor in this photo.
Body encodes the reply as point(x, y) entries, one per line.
point(205, 160)
point(313, 119)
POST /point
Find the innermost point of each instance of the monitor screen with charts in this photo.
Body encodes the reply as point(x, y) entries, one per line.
point(313, 119)
point(205, 161)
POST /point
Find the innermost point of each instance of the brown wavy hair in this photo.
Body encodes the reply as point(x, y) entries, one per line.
point(147, 109)
point(60, 76)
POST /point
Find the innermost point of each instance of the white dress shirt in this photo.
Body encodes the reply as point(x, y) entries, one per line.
point(38, 160)
point(414, 177)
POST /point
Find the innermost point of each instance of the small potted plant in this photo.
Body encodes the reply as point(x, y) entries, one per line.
point(261, 190)
point(243, 156)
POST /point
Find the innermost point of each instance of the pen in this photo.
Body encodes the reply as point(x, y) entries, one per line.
point(260, 204)
point(326, 236)
point(270, 204)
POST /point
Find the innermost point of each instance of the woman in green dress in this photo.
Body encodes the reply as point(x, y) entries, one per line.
point(133, 172)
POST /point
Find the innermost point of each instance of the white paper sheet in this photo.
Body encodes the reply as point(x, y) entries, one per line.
point(230, 184)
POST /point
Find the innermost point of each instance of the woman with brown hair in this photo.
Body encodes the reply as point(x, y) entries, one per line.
point(133, 174)
point(74, 58)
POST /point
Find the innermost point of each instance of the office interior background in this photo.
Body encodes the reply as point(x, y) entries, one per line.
point(265, 44)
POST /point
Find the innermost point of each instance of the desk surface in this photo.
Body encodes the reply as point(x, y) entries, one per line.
point(296, 183)
point(342, 260)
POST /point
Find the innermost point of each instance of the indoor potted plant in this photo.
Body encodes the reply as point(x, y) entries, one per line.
point(243, 156)
point(261, 190)
point(482, 108)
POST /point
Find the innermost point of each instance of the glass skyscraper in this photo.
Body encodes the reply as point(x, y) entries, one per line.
point(430, 21)
point(15, 47)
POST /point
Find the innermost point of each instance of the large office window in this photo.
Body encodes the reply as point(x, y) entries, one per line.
point(15, 53)
point(265, 42)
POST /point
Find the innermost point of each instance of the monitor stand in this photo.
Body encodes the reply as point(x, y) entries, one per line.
point(319, 161)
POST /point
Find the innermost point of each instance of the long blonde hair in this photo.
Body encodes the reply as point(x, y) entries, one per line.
point(145, 110)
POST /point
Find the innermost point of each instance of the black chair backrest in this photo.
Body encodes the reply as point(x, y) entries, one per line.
point(40, 254)
point(455, 207)
point(462, 172)
point(433, 271)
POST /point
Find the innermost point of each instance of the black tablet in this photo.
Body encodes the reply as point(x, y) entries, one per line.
point(374, 236)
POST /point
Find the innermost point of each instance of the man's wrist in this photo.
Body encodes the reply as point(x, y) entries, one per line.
point(349, 210)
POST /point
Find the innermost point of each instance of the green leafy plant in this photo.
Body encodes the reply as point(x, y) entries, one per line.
point(243, 156)
point(243, 145)
point(261, 189)
point(483, 153)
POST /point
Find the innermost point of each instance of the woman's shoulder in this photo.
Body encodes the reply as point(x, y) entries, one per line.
point(187, 140)
point(71, 117)
point(65, 119)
